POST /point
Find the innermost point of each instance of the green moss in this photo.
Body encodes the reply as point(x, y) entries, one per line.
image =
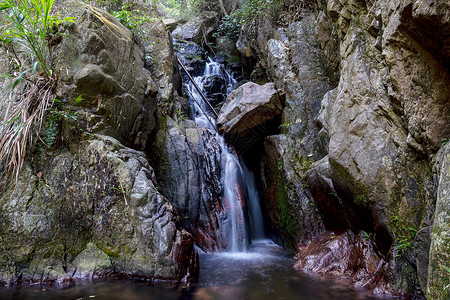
point(286, 220)
point(234, 59)
point(404, 231)
point(360, 199)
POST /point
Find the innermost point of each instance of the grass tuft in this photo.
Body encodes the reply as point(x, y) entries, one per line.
point(22, 121)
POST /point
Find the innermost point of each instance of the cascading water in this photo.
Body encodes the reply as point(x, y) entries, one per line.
point(256, 218)
point(235, 179)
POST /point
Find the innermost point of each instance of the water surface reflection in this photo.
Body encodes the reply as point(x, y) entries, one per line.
point(265, 272)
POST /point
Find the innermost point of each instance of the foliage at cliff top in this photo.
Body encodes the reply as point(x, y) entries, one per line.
point(182, 9)
point(251, 13)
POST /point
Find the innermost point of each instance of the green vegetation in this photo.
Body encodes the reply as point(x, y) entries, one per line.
point(446, 285)
point(251, 14)
point(360, 199)
point(131, 18)
point(183, 9)
point(404, 232)
point(366, 236)
point(25, 26)
point(55, 115)
point(229, 28)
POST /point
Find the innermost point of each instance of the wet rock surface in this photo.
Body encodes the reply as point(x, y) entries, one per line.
point(344, 255)
point(284, 200)
point(215, 87)
point(188, 168)
point(191, 55)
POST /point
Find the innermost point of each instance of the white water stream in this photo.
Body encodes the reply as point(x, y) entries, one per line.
point(235, 178)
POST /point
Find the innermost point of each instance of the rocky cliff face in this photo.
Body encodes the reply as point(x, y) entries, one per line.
point(88, 205)
point(187, 160)
point(367, 110)
point(438, 271)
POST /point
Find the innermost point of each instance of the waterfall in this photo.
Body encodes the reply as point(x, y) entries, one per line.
point(256, 218)
point(236, 180)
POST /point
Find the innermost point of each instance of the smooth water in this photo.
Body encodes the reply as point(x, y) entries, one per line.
point(256, 217)
point(232, 230)
point(263, 272)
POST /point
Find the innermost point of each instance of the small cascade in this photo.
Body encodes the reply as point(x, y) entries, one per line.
point(214, 68)
point(236, 180)
point(256, 217)
point(233, 224)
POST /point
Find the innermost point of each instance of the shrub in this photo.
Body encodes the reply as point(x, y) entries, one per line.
point(131, 20)
point(250, 14)
point(24, 27)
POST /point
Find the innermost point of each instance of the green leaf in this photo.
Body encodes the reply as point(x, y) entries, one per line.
point(18, 78)
point(77, 100)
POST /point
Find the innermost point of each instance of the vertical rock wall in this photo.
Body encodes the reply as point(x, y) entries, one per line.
point(368, 103)
point(438, 270)
point(88, 204)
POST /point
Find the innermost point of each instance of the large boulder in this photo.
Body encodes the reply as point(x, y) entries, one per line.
point(92, 211)
point(354, 256)
point(249, 106)
point(87, 203)
point(194, 30)
point(187, 163)
point(98, 60)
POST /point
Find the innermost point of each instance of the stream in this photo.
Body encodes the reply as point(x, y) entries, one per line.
point(250, 267)
point(263, 272)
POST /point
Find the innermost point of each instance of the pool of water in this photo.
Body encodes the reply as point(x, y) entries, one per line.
point(263, 272)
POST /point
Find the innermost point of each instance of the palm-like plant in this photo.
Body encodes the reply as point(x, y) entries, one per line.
point(24, 26)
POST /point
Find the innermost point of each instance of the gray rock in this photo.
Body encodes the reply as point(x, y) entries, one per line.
point(243, 45)
point(170, 23)
point(91, 261)
point(422, 242)
point(113, 220)
point(191, 55)
point(248, 106)
point(284, 196)
point(295, 65)
point(438, 270)
point(98, 60)
point(187, 161)
point(193, 30)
